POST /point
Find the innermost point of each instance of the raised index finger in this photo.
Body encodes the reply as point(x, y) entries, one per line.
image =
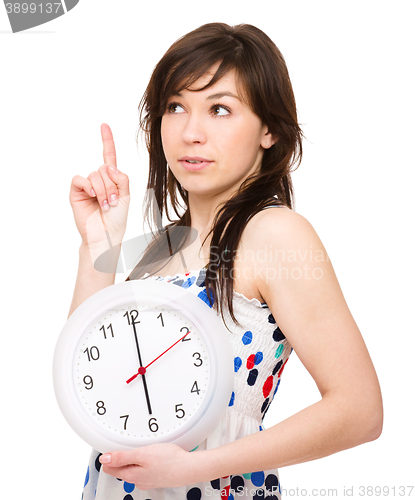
point(109, 147)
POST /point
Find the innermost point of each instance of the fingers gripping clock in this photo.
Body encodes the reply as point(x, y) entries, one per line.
point(140, 363)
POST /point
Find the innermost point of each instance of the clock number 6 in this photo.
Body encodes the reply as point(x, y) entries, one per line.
point(153, 425)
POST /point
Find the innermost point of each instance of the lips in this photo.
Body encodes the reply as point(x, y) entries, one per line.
point(194, 162)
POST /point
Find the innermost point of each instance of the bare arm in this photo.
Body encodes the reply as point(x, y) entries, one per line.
point(310, 309)
point(100, 206)
point(88, 280)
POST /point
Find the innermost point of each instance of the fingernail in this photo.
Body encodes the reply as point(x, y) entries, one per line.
point(93, 192)
point(113, 199)
point(114, 169)
point(105, 205)
point(105, 459)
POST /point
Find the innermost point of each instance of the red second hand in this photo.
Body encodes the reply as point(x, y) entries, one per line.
point(143, 369)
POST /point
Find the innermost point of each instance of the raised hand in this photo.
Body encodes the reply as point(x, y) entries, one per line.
point(100, 201)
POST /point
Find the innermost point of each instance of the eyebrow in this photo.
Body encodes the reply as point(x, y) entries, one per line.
point(216, 96)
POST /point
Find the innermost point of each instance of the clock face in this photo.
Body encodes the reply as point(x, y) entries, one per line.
point(139, 363)
point(168, 392)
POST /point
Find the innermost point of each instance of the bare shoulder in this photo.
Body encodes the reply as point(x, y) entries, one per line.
point(277, 244)
point(280, 229)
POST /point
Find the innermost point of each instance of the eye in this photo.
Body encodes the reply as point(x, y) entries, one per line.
point(172, 108)
point(216, 110)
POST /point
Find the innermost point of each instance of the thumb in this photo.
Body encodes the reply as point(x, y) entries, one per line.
point(120, 180)
point(119, 458)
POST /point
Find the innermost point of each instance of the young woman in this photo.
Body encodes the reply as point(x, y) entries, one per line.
point(221, 127)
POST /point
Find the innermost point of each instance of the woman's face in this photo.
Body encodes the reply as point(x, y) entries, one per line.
point(211, 139)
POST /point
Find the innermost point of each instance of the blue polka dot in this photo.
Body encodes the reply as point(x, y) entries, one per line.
point(276, 388)
point(261, 428)
point(247, 338)
point(189, 282)
point(253, 374)
point(258, 358)
point(203, 295)
point(257, 478)
point(231, 497)
point(86, 477)
point(128, 487)
point(231, 402)
point(237, 362)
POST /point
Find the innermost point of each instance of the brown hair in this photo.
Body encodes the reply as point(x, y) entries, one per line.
point(262, 73)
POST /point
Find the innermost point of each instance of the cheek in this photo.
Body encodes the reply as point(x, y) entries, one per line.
point(242, 146)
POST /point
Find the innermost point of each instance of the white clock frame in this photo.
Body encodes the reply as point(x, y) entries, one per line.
point(215, 336)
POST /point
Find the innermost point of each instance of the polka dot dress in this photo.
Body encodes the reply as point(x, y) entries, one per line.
point(260, 352)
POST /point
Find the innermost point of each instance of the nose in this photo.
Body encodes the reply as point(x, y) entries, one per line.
point(194, 130)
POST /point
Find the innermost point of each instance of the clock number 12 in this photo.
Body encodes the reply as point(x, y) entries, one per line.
point(133, 314)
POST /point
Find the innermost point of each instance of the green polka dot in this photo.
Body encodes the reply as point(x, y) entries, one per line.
point(247, 476)
point(279, 351)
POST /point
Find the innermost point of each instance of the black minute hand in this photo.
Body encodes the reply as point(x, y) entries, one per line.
point(141, 364)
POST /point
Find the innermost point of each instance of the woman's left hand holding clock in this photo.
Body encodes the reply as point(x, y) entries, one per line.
point(158, 466)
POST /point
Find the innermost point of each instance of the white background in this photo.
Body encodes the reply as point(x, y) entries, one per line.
point(351, 65)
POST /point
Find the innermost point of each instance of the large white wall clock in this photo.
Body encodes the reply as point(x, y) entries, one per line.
point(143, 362)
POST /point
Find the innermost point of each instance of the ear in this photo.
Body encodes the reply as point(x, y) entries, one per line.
point(268, 139)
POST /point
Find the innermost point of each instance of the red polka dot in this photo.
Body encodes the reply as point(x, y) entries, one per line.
point(266, 389)
point(282, 367)
point(224, 494)
point(250, 362)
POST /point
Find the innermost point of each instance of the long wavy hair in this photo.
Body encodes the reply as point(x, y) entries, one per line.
point(262, 73)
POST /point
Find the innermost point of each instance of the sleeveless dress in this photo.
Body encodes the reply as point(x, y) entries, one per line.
point(260, 352)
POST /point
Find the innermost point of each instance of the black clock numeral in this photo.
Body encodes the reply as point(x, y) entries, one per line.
point(132, 316)
point(161, 318)
point(195, 388)
point(186, 331)
point(92, 353)
point(180, 413)
point(88, 382)
point(198, 359)
point(153, 426)
point(101, 410)
point(108, 327)
point(125, 421)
